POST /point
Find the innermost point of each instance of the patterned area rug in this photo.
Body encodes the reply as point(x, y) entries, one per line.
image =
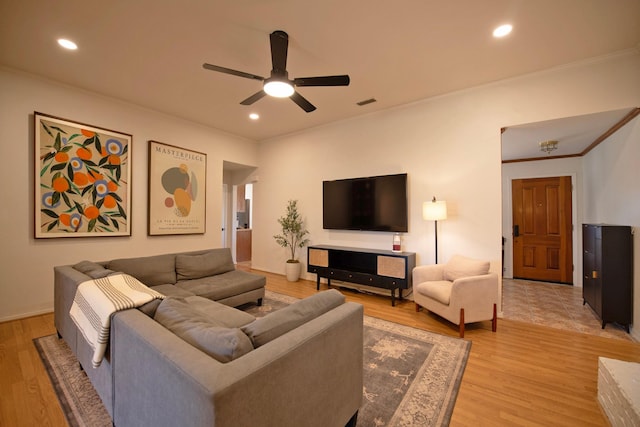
point(411, 377)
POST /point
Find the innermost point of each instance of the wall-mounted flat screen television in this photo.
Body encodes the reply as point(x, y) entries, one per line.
point(377, 203)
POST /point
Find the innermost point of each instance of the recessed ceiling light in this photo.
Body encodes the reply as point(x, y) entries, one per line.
point(67, 44)
point(254, 116)
point(502, 30)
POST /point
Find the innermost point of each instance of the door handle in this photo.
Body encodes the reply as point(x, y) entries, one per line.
point(516, 230)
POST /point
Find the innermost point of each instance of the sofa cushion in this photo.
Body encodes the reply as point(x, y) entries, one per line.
point(275, 324)
point(222, 343)
point(218, 313)
point(93, 269)
point(171, 291)
point(439, 290)
point(152, 271)
point(223, 285)
point(209, 263)
point(459, 266)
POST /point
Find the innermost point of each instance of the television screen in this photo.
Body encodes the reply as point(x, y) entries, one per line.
point(377, 203)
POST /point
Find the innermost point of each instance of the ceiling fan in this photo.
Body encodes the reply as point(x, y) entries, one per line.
point(278, 84)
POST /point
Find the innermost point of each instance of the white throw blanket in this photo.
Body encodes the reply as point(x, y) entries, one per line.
point(96, 300)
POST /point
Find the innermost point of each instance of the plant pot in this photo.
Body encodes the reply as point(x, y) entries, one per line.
point(292, 270)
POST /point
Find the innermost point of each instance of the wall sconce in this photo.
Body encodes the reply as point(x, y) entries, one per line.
point(435, 210)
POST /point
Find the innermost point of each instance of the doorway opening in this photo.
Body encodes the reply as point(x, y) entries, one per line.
point(238, 209)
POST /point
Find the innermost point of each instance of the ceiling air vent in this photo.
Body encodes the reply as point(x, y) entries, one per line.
point(366, 101)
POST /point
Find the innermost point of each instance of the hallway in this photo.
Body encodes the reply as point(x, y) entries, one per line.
point(556, 306)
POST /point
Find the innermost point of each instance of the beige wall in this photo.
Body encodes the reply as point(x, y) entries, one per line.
point(449, 146)
point(26, 284)
point(612, 191)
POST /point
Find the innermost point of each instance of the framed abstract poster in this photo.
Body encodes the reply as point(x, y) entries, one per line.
point(177, 179)
point(82, 180)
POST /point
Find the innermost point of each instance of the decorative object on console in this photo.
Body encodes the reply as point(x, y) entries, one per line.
point(293, 237)
point(177, 190)
point(82, 180)
point(435, 210)
point(397, 243)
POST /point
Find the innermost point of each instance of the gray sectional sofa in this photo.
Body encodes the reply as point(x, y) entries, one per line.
point(192, 359)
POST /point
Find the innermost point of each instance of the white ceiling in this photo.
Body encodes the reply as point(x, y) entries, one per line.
point(574, 135)
point(150, 52)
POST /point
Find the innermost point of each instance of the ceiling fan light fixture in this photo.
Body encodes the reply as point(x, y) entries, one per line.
point(502, 30)
point(278, 89)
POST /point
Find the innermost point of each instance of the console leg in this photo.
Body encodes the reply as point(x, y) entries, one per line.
point(259, 302)
point(393, 297)
point(318, 283)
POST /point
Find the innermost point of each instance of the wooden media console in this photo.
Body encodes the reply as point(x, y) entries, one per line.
point(371, 267)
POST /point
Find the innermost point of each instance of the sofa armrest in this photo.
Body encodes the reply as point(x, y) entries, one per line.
point(428, 273)
point(65, 282)
point(309, 376)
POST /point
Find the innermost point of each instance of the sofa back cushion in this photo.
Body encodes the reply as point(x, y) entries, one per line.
point(210, 263)
point(152, 270)
point(222, 343)
point(460, 266)
point(278, 323)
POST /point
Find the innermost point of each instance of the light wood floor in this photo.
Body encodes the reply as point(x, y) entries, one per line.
point(522, 375)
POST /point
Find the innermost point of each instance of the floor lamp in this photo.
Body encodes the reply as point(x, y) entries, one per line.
point(435, 210)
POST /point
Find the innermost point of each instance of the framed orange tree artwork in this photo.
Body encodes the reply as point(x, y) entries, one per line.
point(177, 179)
point(82, 180)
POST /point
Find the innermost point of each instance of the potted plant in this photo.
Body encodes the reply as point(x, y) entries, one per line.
point(292, 237)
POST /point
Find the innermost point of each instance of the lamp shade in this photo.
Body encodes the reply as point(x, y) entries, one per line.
point(435, 210)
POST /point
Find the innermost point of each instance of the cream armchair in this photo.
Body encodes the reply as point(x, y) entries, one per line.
point(463, 290)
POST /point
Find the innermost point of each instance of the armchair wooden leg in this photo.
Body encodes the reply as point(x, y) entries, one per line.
point(462, 323)
point(418, 307)
point(494, 321)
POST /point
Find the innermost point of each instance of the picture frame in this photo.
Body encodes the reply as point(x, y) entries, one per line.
point(82, 185)
point(177, 190)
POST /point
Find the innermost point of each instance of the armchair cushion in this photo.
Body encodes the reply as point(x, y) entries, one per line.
point(439, 290)
point(460, 266)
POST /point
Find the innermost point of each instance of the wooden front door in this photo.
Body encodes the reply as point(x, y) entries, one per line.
point(542, 243)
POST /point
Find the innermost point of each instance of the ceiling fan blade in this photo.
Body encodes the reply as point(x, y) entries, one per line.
point(302, 102)
point(322, 81)
point(232, 72)
point(279, 46)
point(253, 98)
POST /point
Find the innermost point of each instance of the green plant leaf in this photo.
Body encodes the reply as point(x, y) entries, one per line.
point(46, 128)
point(49, 212)
point(58, 144)
point(58, 129)
point(98, 144)
point(52, 225)
point(58, 166)
point(91, 225)
point(67, 201)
